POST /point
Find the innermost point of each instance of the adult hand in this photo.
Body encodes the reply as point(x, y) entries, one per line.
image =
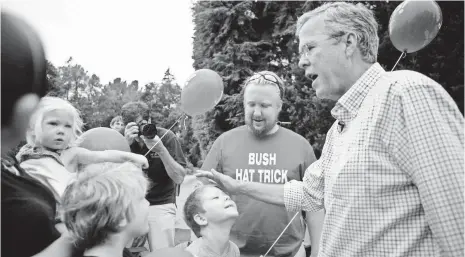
point(226, 182)
point(131, 131)
point(155, 142)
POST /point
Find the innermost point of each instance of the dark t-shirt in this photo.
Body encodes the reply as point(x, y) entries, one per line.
point(163, 187)
point(28, 213)
point(273, 159)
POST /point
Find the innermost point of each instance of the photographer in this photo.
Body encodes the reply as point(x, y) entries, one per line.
point(166, 169)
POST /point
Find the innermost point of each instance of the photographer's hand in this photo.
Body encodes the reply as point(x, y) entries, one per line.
point(156, 141)
point(131, 132)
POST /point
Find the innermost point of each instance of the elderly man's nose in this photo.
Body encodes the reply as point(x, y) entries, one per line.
point(303, 63)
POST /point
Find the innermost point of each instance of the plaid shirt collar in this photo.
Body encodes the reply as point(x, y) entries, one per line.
point(348, 105)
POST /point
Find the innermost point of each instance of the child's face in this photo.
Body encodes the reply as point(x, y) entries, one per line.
point(57, 130)
point(118, 126)
point(218, 205)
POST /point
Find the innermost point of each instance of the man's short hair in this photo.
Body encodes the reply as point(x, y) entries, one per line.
point(23, 63)
point(99, 199)
point(130, 111)
point(265, 78)
point(342, 17)
point(116, 119)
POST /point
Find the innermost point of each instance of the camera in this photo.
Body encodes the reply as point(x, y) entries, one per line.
point(148, 130)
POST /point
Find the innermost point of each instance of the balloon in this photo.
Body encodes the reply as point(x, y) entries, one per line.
point(414, 24)
point(101, 138)
point(202, 91)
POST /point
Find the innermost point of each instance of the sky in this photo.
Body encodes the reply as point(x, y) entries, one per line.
point(134, 40)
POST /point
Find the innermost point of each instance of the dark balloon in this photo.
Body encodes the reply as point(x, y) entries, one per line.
point(414, 24)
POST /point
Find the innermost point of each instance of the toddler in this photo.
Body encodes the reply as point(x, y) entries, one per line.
point(50, 154)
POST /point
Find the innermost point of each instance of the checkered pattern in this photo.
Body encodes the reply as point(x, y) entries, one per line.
point(392, 181)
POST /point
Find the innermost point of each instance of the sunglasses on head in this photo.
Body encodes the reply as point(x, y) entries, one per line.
point(267, 77)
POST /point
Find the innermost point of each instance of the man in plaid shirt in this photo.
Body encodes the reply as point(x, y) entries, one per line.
point(391, 173)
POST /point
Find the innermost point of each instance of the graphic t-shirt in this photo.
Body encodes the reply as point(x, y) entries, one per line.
point(273, 159)
point(162, 189)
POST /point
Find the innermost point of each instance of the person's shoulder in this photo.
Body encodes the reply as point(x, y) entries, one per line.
point(406, 80)
point(168, 134)
point(162, 131)
point(235, 132)
point(294, 137)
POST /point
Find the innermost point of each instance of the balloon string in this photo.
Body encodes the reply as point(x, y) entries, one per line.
point(164, 134)
point(185, 118)
point(402, 55)
point(280, 235)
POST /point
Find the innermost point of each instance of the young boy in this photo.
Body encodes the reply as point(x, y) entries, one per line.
point(105, 208)
point(211, 213)
point(117, 124)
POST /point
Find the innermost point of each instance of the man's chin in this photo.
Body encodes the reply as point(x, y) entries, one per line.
point(257, 131)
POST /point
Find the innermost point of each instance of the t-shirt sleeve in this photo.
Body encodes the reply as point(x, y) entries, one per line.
point(213, 159)
point(175, 149)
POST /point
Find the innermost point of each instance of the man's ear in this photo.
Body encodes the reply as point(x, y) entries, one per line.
point(200, 219)
point(351, 44)
point(280, 105)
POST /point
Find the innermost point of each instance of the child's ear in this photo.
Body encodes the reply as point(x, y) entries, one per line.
point(201, 220)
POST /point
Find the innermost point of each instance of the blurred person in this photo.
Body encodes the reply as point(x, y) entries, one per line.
point(28, 207)
point(104, 208)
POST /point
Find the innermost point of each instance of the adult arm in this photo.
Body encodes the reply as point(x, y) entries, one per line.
point(430, 149)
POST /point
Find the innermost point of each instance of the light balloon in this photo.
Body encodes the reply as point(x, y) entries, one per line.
point(101, 138)
point(202, 91)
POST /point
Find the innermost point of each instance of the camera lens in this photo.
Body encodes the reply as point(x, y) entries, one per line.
point(148, 130)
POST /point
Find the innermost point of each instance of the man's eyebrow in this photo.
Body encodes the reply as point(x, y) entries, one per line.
point(306, 45)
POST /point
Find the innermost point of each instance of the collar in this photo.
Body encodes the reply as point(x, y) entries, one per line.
point(348, 105)
point(36, 152)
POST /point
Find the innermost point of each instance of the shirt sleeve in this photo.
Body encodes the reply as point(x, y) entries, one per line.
point(213, 159)
point(308, 195)
point(175, 150)
point(434, 157)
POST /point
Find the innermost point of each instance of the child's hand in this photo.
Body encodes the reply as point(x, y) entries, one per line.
point(141, 160)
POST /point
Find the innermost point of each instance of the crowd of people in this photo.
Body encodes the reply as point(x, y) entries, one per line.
point(389, 181)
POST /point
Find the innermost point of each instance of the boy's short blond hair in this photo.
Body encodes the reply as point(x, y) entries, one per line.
point(46, 105)
point(99, 199)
